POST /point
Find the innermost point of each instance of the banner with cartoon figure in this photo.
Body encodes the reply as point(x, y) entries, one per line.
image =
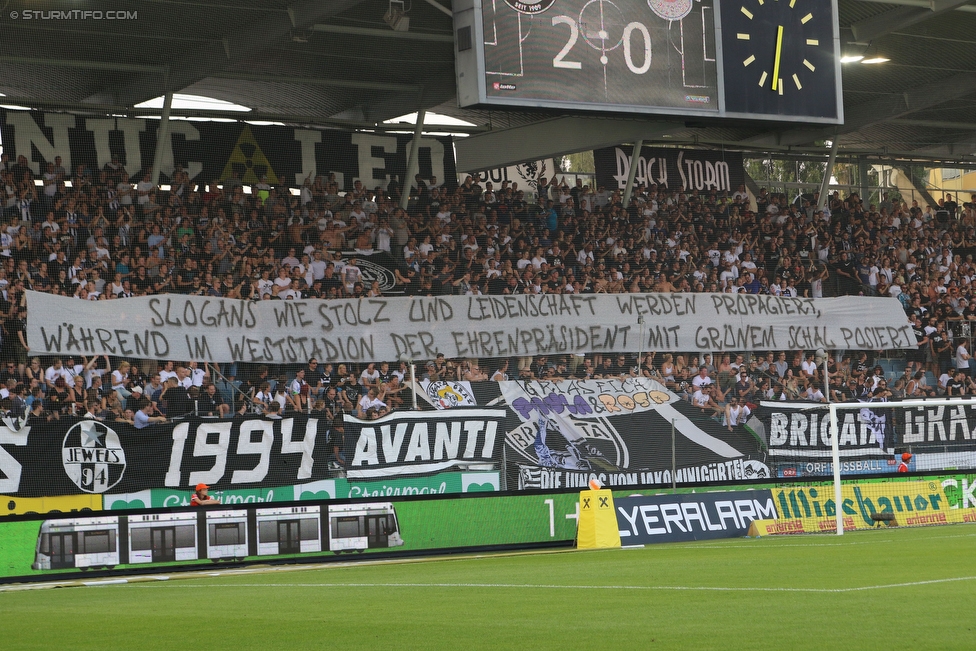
point(626, 432)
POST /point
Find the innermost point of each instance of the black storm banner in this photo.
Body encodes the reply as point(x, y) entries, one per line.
point(691, 169)
point(213, 150)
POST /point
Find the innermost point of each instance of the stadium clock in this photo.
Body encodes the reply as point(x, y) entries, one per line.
point(779, 57)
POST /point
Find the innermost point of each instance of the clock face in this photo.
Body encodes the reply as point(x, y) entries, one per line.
point(779, 57)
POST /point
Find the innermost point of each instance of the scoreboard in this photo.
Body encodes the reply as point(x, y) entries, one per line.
point(756, 59)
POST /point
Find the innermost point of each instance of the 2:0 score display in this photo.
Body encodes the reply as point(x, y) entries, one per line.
point(630, 53)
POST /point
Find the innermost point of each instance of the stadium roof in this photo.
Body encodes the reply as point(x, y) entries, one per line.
point(337, 63)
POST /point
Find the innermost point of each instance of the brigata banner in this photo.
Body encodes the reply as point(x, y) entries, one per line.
point(373, 329)
point(799, 437)
point(646, 519)
point(800, 431)
point(419, 442)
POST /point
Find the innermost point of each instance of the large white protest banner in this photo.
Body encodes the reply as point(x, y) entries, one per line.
point(356, 330)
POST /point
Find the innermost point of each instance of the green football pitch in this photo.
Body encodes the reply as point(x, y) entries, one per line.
point(888, 589)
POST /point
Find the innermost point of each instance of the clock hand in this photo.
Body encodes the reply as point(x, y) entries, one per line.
point(779, 50)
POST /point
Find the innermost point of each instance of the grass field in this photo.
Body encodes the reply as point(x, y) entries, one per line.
point(890, 589)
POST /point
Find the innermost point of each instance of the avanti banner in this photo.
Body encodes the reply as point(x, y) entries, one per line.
point(419, 442)
point(373, 329)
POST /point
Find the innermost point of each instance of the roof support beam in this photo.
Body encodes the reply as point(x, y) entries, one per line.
point(81, 64)
point(319, 81)
point(554, 137)
point(441, 8)
point(874, 27)
point(383, 33)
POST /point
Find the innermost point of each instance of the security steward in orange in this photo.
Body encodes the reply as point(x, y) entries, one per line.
point(201, 498)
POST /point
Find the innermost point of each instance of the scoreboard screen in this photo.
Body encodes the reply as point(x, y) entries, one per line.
point(652, 56)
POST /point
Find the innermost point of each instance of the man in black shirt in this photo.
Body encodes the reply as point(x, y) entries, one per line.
point(917, 357)
point(176, 399)
point(211, 403)
point(313, 377)
point(957, 385)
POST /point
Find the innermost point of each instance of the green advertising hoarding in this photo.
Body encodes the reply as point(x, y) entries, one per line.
point(37, 547)
point(326, 489)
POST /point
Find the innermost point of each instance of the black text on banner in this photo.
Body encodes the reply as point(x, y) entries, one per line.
point(375, 329)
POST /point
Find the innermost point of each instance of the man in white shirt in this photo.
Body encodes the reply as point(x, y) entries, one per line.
point(143, 188)
point(372, 400)
point(962, 358)
point(370, 376)
point(55, 371)
point(295, 387)
point(167, 372)
point(197, 375)
point(702, 378)
point(318, 265)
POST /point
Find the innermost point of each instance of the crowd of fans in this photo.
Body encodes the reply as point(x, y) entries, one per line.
point(100, 235)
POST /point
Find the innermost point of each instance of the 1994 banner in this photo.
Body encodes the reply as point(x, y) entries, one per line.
point(356, 330)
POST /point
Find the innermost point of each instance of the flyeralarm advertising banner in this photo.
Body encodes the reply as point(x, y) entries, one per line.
point(647, 519)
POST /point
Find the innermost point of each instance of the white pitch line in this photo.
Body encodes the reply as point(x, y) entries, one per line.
point(530, 586)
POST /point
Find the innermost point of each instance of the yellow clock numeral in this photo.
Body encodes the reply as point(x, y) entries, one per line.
point(806, 19)
point(762, 80)
point(780, 86)
point(792, 2)
point(796, 80)
point(743, 37)
point(812, 41)
point(752, 57)
point(809, 65)
point(747, 13)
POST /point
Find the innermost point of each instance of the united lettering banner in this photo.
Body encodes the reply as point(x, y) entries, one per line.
point(212, 150)
point(647, 519)
point(691, 169)
point(373, 329)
